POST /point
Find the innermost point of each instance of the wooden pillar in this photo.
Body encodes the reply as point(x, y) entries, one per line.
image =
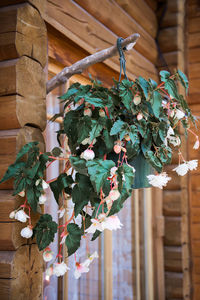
point(23, 56)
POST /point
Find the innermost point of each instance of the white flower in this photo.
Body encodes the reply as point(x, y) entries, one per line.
point(80, 268)
point(44, 184)
point(42, 199)
point(21, 194)
point(21, 216)
point(12, 214)
point(114, 194)
point(196, 144)
point(137, 100)
point(175, 141)
point(47, 254)
point(61, 212)
point(170, 132)
point(112, 223)
point(179, 114)
point(87, 154)
point(182, 169)
point(113, 171)
point(90, 259)
point(27, 232)
point(159, 180)
point(109, 203)
point(192, 164)
point(102, 113)
point(87, 112)
point(96, 225)
point(59, 269)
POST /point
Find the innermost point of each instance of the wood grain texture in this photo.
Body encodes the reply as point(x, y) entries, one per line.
point(92, 36)
point(174, 284)
point(40, 5)
point(173, 259)
point(123, 25)
point(22, 32)
point(11, 142)
point(172, 231)
point(172, 203)
point(138, 8)
point(8, 203)
point(24, 265)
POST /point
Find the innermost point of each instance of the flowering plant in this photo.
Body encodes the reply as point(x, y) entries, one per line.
point(102, 132)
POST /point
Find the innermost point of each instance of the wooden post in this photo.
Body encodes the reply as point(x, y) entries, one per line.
point(23, 55)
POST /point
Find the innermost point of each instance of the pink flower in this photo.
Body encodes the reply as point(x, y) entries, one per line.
point(117, 149)
point(47, 254)
point(102, 113)
point(21, 194)
point(80, 268)
point(137, 100)
point(88, 154)
point(139, 116)
point(114, 194)
point(87, 112)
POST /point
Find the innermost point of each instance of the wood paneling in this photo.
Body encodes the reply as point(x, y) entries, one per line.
point(172, 203)
point(40, 5)
point(172, 231)
point(8, 203)
point(174, 284)
point(22, 32)
point(173, 259)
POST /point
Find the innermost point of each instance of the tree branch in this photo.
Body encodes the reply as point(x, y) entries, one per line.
point(84, 63)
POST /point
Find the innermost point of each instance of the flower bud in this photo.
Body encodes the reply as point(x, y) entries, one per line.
point(117, 149)
point(42, 199)
point(114, 194)
point(27, 232)
point(48, 254)
point(139, 116)
point(21, 216)
point(102, 113)
point(12, 214)
point(88, 154)
point(87, 112)
point(137, 100)
point(21, 194)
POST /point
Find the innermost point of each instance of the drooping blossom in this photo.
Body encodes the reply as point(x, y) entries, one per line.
point(196, 144)
point(27, 232)
point(12, 214)
point(102, 113)
point(112, 223)
point(80, 269)
point(117, 149)
point(59, 269)
point(61, 212)
point(159, 180)
point(179, 114)
point(47, 254)
point(42, 199)
point(22, 193)
point(139, 116)
point(88, 154)
point(114, 194)
point(113, 171)
point(174, 140)
point(90, 259)
point(183, 168)
point(44, 184)
point(21, 216)
point(96, 225)
point(137, 100)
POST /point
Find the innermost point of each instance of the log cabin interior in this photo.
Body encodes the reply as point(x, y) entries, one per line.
point(158, 256)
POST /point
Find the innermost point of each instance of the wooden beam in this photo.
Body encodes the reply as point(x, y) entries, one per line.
point(108, 272)
point(172, 231)
point(40, 5)
point(22, 32)
point(124, 25)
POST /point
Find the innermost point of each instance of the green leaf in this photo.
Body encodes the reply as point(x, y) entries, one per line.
point(24, 150)
point(109, 140)
point(12, 170)
point(62, 182)
point(133, 133)
point(171, 87)
point(129, 176)
point(96, 235)
point(97, 102)
point(85, 125)
point(164, 75)
point(183, 80)
point(78, 164)
point(117, 127)
point(56, 151)
point(44, 231)
point(153, 160)
point(69, 93)
point(32, 200)
point(144, 85)
point(118, 204)
point(81, 193)
point(96, 129)
point(73, 238)
point(99, 170)
point(157, 103)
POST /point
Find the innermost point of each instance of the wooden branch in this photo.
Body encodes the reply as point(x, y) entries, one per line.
point(84, 63)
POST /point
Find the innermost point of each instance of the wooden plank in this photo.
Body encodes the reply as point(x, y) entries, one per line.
point(174, 285)
point(24, 265)
point(108, 277)
point(173, 259)
point(172, 203)
point(193, 99)
point(152, 4)
point(195, 248)
point(172, 231)
point(175, 182)
point(10, 143)
point(22, 32)
point(195, 199)
point(193, 55)
point(10, 236)
point(40, 5)
point(195, 232)
point(194, 40)
point(194, 70)
point(194, 181)
point(170, 19)
point(136, 8)
point(93, 37)
point(194, 25)
point(123, 25)
point(166, 35)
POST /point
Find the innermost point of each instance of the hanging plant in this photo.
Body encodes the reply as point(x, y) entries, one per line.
point(116, 139)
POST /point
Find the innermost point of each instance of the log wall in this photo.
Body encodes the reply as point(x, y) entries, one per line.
point(176, 195)
point(193, 46)
point(23, 55)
